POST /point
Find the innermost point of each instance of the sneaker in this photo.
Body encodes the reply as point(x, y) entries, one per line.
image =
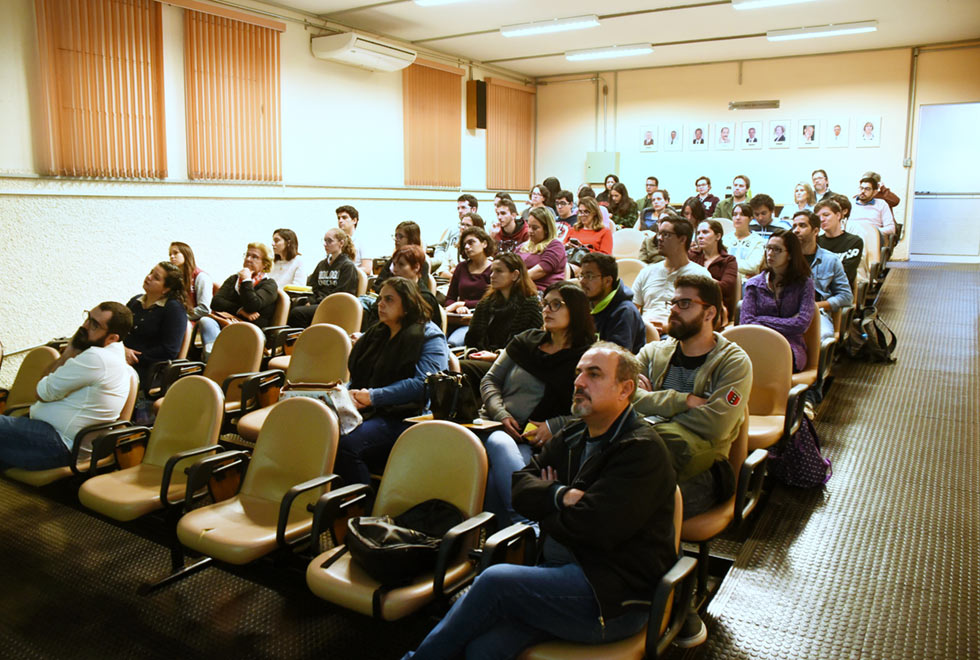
point(693, 632)
point(809, 410)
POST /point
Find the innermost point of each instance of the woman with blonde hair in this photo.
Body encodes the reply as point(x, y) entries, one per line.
point(543, 253)
point(337, 273)
point(803, 200)
point(589, 230)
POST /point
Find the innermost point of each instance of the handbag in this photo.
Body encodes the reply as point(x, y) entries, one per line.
point(451, 397)
point(575, 253)
point(224, 319)
point(798, 462)
point(396, 550)
point(336, 396)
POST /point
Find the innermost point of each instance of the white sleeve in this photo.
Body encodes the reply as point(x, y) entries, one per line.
point(78, 372)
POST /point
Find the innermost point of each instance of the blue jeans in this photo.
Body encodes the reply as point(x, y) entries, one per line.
point(506, 457)
point(365, 449)
point(208, 328)
point(510, 608)
point(31, 444)
point(458, 336)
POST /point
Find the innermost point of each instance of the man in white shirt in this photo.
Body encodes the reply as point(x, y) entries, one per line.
point(654, 286)
point(868, 208)
point(88, 384)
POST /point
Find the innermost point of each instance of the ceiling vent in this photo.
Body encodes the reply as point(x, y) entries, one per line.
point(355, 50)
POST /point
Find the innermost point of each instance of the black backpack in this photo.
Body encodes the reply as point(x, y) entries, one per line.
point(869, 339)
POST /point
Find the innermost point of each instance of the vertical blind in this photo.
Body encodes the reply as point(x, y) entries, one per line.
point(102, 88)
point(432, 116)
point(232, 99)
point(510, 135)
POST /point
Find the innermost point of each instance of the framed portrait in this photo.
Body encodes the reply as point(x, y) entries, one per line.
point(867, 131)
point(724, 137)
point(751, 135)
point(673, 137)
point(696, 136)
point(837, 132)
point(808, 133)
point(649, 138)
point(778, 135)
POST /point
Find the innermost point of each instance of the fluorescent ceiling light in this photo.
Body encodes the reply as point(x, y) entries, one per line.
point(432, 3)
point(760, 4)
point(606, 53)
point(553, 25)
point(822, 31)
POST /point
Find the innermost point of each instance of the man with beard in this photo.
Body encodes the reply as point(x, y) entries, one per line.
point(88, 384)
point(602, 490)
point(695, 385)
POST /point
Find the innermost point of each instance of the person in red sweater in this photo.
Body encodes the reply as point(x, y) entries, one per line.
point(589, 231)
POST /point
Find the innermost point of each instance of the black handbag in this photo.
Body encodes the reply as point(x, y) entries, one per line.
point(451, 397)
point(397, 550)
point(575, 253)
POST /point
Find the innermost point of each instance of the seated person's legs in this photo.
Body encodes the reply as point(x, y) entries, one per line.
point(704, 482)
point(826, 324)
point(365, 449)
point(458, 336)
point(302, 316)
point(208, 328)
point(506, 457)
point(31, 444)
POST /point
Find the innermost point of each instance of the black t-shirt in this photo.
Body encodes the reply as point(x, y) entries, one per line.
point(682, 371)
point(848, 249)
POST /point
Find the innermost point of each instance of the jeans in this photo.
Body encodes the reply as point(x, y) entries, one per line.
point(31, 444)
point(510, 608)
point(506, 457)
point(365, 449)
point(208, 328)
point(458, 336)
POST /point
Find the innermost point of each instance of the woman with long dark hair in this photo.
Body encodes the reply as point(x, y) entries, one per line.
point(159, 320)
point(608, 183)
point(406, 233)
point(781, 296)
point(198, 285)
point(288, 267)
point(531, 382)
point(622, 209)
point(710, 252)
point(471, 277)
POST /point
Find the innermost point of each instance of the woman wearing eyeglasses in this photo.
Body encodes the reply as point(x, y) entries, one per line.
point(781, 296)
point(406, 233)
point(543, 253)
point(531, 382)
point(588, 229)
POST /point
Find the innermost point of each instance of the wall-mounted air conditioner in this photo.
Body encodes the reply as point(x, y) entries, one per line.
point(355, 50)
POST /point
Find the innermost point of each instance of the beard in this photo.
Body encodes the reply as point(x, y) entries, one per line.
point(681, 330)
point(581, 406)
point(80, 340)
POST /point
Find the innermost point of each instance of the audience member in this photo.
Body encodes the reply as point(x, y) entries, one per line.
point(740, 190)
point(567, 215)
point(649, 220)
point(588, 230)
point(406, 233)
point(585, 190)
point(847, 247)
point(608, 183)
point(693, 211)
point(198, 286)
point(444, 254)
point(513, 230)
point(616, 317)
point(87, 384)
point(347, 219)
point(764, 221)
point(830, 282)
point(336, 273)
point(803, 200)
point(781, 297)
point(540, 198)
point(608, 534)
point(407, 263)
point(723, 267)
point(471, 277)
point(388, 365)
point(288, 267)
point(652, 184)
point(654, 285)
point(248, 295)
point(821, 185)
point(554, 187)
point(868, 208)
point(747, 247)
point(532, 382)
point(543, 253)
point(159, 320)
point(622, 209)
point(884, 193)
point(709, 201)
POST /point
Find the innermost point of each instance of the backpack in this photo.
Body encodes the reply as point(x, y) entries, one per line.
point(798, 461)
point(869, 339)
point(452, 397)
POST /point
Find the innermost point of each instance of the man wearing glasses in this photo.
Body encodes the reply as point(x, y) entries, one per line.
point(88, 384)
point(694, 387)
point(655, 284)
point(616, 317)
point(567, 213)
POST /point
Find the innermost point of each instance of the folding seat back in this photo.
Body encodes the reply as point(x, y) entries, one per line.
point(627, 243)
point(190, 417)
point(238, 349)
point(772, 367)
point(342, 310)
point(809, 374)
point(320, 355)
point(281, 312)
point(362, 281)
point(23, 391)
point(629, 268)
point(185, 345)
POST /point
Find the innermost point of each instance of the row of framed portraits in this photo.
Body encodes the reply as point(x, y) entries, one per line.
point(835, 132)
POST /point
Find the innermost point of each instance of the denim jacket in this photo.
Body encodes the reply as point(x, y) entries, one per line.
point(830, 281)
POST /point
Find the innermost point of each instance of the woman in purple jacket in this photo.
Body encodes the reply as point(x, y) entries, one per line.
point(781, 296)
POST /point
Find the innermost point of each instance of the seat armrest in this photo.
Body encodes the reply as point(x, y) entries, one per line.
point(751, 476)
point(255, 384)
point(279, 337)
point(199, 473)
point(827, 349)
point(104, 444)
point(173, 370)
point(328, 509)
point(451, 546)
point(290, 497)
point(680, 581)
point(4, 393)
point(794, 409)
point(19, 410)
point(270, 332)
point(168, 470)
point(498, 546)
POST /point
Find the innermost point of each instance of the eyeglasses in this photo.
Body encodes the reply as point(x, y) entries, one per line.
point(252, 255)
point(665, 233)
point(586, 277)
point(684, 303)
point(91, 321)
point(554, 305)
point(398, 237)
point(562, 203)
point(774, 249)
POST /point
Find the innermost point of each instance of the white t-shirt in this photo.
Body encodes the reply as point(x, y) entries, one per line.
point(89, 388)
point(654, 286)
point(289, 272)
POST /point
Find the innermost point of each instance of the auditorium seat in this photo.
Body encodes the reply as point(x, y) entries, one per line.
point(629, 268)
point(626, 243)
point(17, 401)
point(819, 355)
point(423, 450)
point(651, 332)
point(362, 282)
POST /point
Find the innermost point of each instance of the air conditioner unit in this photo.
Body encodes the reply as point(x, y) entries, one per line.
point(355, 50)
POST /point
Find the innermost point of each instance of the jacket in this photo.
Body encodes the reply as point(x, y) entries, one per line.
point(621, 531)
point(495, 322)
point(725, 380)
point(259, 298)
point(327, 278)
point(619, 320)
point(829, 280)
point(790, 315)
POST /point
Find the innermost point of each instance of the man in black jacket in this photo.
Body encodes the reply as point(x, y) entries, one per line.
point(602, 490)
point(616, 318)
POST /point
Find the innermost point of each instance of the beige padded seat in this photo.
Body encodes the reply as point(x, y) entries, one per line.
point(631, 648)
point(190, 419)
point(23, 391)
point(714, 521)
point(297, 443)
point(319, 356)
point(629, 268)
point(651, 332)
point(421, 452)
point(809, 374)
point(38, 478)
point(281, 312)
point(362, 281)
point(340, 309)
point(627, 243)
point(772, 373)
